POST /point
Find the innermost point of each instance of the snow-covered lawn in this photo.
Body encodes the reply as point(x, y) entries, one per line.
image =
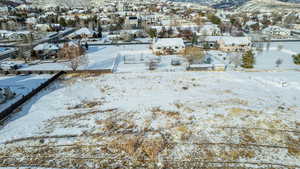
point(103, 57)
point(99, 57)
point(21, 85)
point(266, 60)
point(146, 119)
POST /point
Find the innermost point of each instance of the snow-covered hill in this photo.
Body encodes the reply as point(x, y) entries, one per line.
point(236, 3)
point(267, 6)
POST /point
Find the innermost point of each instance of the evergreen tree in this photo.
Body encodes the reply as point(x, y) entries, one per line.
point(62, 22)
point(296, 59)
point(86, 46)
point(214, 19)
point(152, 33)
point(100, 31)
point(248, 60)
point(194, 39)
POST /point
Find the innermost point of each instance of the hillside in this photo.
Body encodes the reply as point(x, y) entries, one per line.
point(159, 120)
point(268, 6)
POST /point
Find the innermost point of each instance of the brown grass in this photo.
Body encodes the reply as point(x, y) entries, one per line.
point(247, 138)
point(184, 132)
point(127, 143)
point(236, 154)
point(86, 104)
point(152, 147)
point(293, 144)
point(139, 147)
point(172, 114)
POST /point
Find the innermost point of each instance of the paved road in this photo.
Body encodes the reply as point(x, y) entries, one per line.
point(49, 39)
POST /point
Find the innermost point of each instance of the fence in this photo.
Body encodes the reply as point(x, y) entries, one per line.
point(25, 98)
point(17, 72)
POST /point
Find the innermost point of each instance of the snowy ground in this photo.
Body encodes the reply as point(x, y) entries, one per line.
point(21, 85)
point(99, 57)
point(155, 119)
point(266, 60)
point(103, 57)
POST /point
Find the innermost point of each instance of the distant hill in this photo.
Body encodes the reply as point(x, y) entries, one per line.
point(227, 3)
point(85, 3)
point(12, 3)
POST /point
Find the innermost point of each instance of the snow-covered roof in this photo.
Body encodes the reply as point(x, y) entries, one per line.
point(162, 42)
point(83, 31)
point(276, 28)
point(228, 40)
point(31, 20)
point(213, 38)
point(46, 46)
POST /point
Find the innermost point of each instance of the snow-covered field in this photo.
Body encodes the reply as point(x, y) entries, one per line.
point(266, 60)
point(99, 57)
point(103, 57)
point(21, 85)
point(159, 119)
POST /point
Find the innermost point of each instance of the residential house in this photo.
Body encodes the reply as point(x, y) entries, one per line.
point(42, 27)
point(168, 45)
point(46, 50)
point(132, 21)
point(234, 44)
point(82, 33)
point(210, 30)
point(276, 31)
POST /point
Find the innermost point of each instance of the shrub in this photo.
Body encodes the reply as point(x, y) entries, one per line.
point(296, 59)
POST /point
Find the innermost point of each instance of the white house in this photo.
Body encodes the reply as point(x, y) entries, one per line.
point(132, 21)
point(210, 30)
point(234, 44)
point(42, 27)
point(276, 31)
point(168, 45)
point(83, 33)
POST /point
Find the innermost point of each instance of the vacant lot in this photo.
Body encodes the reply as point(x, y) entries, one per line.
point(158, 120)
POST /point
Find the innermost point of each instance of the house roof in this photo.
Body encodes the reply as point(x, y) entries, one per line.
point(46, 46)
point(169, 42)
point(83, 31)
point(228, 40)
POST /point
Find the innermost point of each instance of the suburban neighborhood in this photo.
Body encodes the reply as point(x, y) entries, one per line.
point(150, 84)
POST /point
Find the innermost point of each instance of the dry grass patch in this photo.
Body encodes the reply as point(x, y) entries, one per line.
point(182, 133)
point(86, 105)
point(237, 101)
point(152, 147)
point(111, 125)
point(172, 114)
point(236, 111)
point(247, 138)
point(235, 154)
point(139, 147)
point(293, 143)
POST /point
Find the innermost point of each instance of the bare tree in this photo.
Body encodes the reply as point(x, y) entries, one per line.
point(279, 47)
point(236, 59)
point(193, 54)
point(77, 61)
point(75, 55)
point(259, 47)
point(151, 64)
point(268, 43)
point(278, 62)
